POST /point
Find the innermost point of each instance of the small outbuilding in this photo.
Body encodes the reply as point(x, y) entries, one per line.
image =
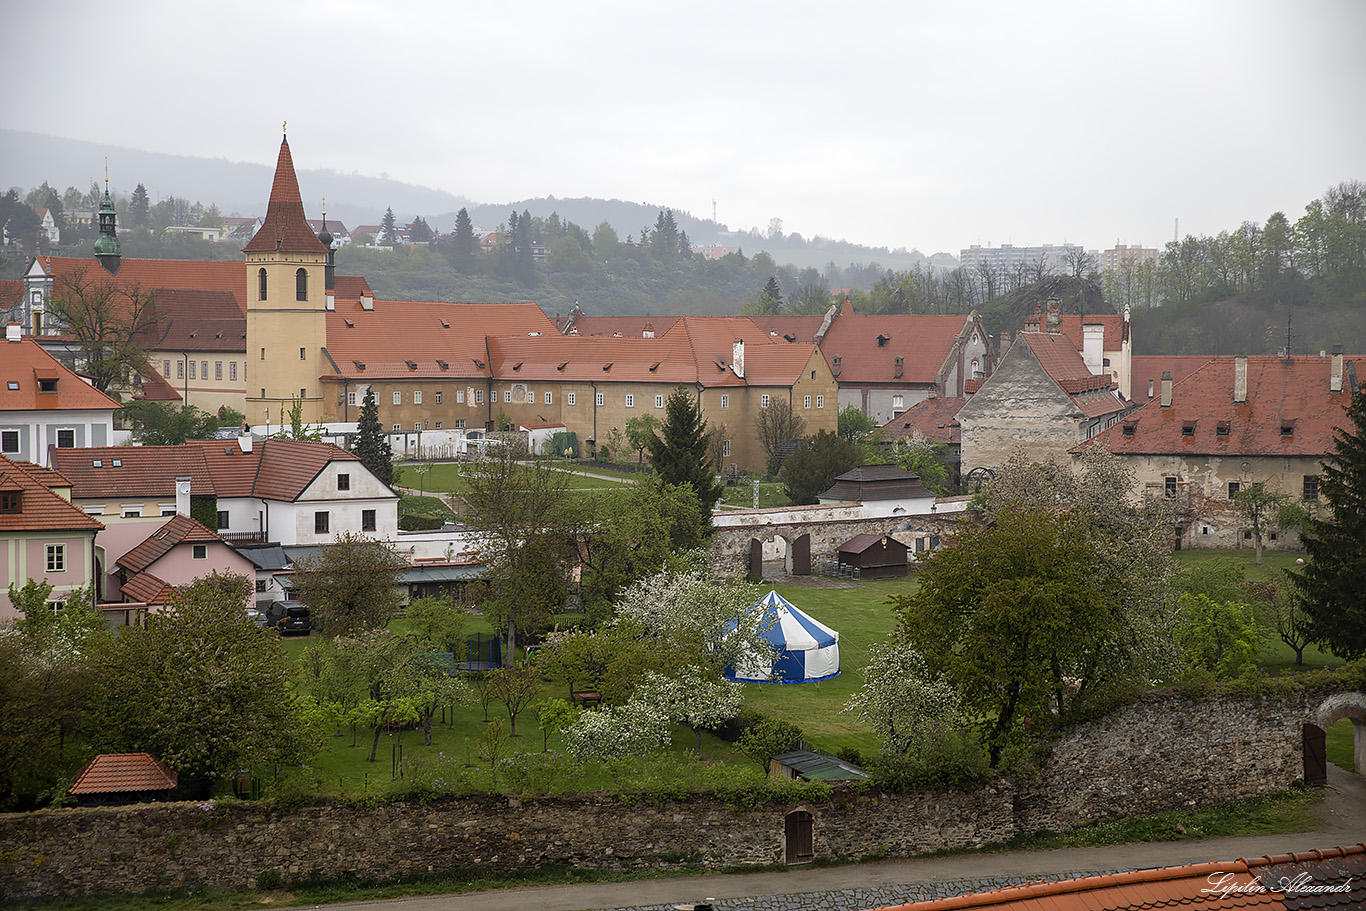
point(811, 766)
point(876, 556)
point(118, 778)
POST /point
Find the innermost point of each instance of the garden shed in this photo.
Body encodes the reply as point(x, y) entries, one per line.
point(804, 649)
point(876, 556)
point(121, 778)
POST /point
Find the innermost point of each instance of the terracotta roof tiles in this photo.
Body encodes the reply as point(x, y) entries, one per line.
point(24, 363)
point(153, 274)
point(936, 419)
point(111, 773)
point(135, 471)
point(1289, 411)
point(284, 474)
point(177, 530)
point(148, 589)
point(1339, 874)
point(286, 227)
point(40, 509)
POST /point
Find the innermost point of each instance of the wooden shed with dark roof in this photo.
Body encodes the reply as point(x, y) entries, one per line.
point(875, 556)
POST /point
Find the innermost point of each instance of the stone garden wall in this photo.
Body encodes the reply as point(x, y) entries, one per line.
point(1166, 752)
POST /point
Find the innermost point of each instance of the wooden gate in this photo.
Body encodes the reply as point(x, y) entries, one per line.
point(801, 556)
point(1315, 755)
point(798, 835)
point(756, 559)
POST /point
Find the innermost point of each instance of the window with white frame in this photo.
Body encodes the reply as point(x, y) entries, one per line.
point(478, 396)
point(898, 403)
point(56, 558)
point(725, 449)
point(397, 428)
point(180, 370)
point(459, 423)
point(203, 370)
point(806, 401)
point(165, 368)
point(438, 396)
point(530, 397)
point(659, 401)
point(548, 398)
point(9, 441)
point(460, 397)
point(192, 371)
point(725, 401)
point(133, 511)
point(417, 396)
point(66, 439)
point(398, 398)
point(200, 552)
point(569, 398)
point(350, 398)
point(417, 425)
point(630, 400)
point(507, 396)
point(218, 370)
point(232, 371)
point(763, 401)
point(597, 399)
point(820, 401)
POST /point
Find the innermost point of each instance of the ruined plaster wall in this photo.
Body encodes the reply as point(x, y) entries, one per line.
point(1164, 752)
point(1018, 406)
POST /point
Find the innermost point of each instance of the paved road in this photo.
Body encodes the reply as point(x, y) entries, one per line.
point(1342, 815)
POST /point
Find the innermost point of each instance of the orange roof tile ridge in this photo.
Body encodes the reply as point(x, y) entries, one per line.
point(1267, 860)
point(1063, 886)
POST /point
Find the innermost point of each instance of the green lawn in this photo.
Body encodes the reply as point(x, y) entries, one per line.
point(445, 477)
point(771, 494)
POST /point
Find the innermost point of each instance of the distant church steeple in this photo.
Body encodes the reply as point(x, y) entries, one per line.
point(108, 250)
point(325, 238)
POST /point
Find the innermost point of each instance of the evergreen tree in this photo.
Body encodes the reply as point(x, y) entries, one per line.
point(419, 232)
point(388, 236)
point(372, 446)
point(664, 241)
point(464, 245)
point(1333, 581)
point(680, 454)
point(811, 470)
point(139, 207)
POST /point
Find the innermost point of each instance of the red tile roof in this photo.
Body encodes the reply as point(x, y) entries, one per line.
point(177, 530)
point(289, 466)
point(1263, 882)
point(195, 321)
point(39, 508)
point(923, 342)
point(936, 419)
point(1283, 394)
point(148, 589)
point(1148, 368)
point(286, 227)
point(711, 341)
point(155, 274)
point(143, 471)
point(155, 388)
point(623, 326)
point(24, 362)
point(111, 773)
point(1093, 395)
point(426, 333)
point(1071, 326)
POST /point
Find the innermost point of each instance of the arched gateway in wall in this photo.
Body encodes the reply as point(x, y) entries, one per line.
point(1315, 732)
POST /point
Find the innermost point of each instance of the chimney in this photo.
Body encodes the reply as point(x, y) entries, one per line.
point(182, 497)
point(12, 333)
point(331, 300)
point(1054, 315)
point(1166, 389)
point(244, 439)
point(1240, 378)
point(1092, 347)
point(367, 302)
point(1335, 379)
point(738, 358)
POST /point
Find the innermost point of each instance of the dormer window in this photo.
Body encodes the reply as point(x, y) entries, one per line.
point(1129, 428)
point(1188, 429)
point(882, 340)
point(10, 501)
point(1287, 428)
point(1221, 429)
point(47, 385)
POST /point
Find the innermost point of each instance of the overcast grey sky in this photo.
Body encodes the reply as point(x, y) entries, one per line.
point(899, 124)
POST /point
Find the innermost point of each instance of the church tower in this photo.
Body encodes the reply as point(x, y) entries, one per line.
point(286, 306)
point(108, 250)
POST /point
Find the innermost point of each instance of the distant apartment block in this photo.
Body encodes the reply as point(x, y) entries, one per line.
point(1119, 254)
point(1008, 258)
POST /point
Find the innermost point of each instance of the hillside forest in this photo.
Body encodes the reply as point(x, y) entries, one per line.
point(1257, 287)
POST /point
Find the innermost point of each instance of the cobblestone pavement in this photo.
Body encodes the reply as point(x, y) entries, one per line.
point(873, 897)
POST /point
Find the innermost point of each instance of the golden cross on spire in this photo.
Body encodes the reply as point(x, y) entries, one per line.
point(284, 126)
point(106, 175)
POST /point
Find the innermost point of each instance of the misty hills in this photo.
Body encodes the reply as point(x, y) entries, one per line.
point(240, 188)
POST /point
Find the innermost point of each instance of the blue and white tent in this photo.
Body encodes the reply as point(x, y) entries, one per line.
point(804, 649)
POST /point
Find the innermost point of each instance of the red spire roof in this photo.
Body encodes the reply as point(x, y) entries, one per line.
point(286, 227)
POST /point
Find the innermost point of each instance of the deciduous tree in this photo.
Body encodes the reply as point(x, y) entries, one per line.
point(775, 425)
point(350, 586)
point(1266, 511)
point(200, 686)
point(107, 319)
point(813, 467)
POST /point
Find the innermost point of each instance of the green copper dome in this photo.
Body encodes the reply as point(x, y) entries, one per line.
point(107, 244)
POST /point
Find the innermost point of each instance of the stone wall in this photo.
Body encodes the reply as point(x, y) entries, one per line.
point(829, 527)
point(1164, 752)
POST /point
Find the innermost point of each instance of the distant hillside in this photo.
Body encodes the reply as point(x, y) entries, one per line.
point(29, 159)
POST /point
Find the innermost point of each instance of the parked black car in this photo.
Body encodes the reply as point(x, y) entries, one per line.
point(291, 618)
